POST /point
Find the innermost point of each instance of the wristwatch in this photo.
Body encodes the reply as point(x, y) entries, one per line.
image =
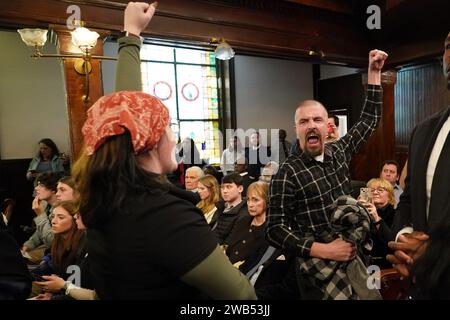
point(129, 34)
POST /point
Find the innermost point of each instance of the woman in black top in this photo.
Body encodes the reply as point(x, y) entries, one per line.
point(247, 238)
point(144, 243)
point(381, 213)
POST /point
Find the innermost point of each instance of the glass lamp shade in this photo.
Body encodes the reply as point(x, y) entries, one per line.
point(33, 37)
point(224, 51)
point(83, 38)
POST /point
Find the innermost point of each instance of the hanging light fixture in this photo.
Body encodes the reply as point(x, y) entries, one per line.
point(223, 50)
point(82, 38)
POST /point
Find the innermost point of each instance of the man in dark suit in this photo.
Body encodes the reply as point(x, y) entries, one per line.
point(257, 156)
point(424, 204)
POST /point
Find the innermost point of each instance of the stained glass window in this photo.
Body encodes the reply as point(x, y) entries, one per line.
point(186, 81)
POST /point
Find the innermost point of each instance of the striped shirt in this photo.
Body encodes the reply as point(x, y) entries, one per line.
point(304, 189)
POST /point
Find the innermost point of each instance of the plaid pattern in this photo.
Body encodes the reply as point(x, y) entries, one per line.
point(350, 222)
point(303, 190)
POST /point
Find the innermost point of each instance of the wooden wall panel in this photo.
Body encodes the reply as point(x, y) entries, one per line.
point(348, 92)
point(420, 92)
point(75, 87)
point(278, 31)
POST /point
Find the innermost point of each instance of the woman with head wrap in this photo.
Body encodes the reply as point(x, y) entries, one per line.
point(144, 243)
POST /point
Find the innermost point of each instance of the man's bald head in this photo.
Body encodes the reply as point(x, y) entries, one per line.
point(309, 103)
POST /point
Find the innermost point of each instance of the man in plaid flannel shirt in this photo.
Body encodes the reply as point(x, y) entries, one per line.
point(306, 185)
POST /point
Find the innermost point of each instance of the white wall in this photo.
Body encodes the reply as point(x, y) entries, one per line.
point(329, 71)
point(32, 100)
point(268, 92)
point(109, 67)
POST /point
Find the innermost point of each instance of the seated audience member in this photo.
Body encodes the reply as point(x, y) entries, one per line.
point(390, 172)
point(193, 174)
point(56, 284)
point(208, 190)
point(241, 167)
point(230, 155)
point(144, 243)
point(15, 280)
point(233, 207)
point(190, 194)
point(68, 248)
point(270, 169)
point(47, 160)
point(382, 213)
point(66, 190)
point(247, 237)
point(333, 128)
point(42, 238)
point(272, 275)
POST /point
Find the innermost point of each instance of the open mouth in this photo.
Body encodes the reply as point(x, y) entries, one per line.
point(312, 139)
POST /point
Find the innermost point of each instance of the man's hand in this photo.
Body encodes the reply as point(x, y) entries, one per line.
point(376, 63)
point(137, 16)
point(337, 250)
point(38, 206)
point(408, 248)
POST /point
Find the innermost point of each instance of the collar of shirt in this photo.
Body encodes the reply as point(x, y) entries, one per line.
point(243, 173)
point(319, 158)
point(229, 206)
point(255, 148)
point(307, 158)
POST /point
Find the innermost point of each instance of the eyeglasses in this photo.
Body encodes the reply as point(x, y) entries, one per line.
point(379, 189)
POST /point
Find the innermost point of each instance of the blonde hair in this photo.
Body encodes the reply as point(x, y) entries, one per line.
point(384, 184)
point(261, 189)
point(210, 182)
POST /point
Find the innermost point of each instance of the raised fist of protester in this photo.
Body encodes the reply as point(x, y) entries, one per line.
point(137, 16)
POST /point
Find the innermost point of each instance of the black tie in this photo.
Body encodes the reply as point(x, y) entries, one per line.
point(440, 189)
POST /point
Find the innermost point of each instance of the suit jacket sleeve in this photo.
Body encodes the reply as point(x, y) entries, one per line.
point(403, 216)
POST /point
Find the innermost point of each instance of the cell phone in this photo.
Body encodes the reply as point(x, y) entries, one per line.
point(365, 194)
